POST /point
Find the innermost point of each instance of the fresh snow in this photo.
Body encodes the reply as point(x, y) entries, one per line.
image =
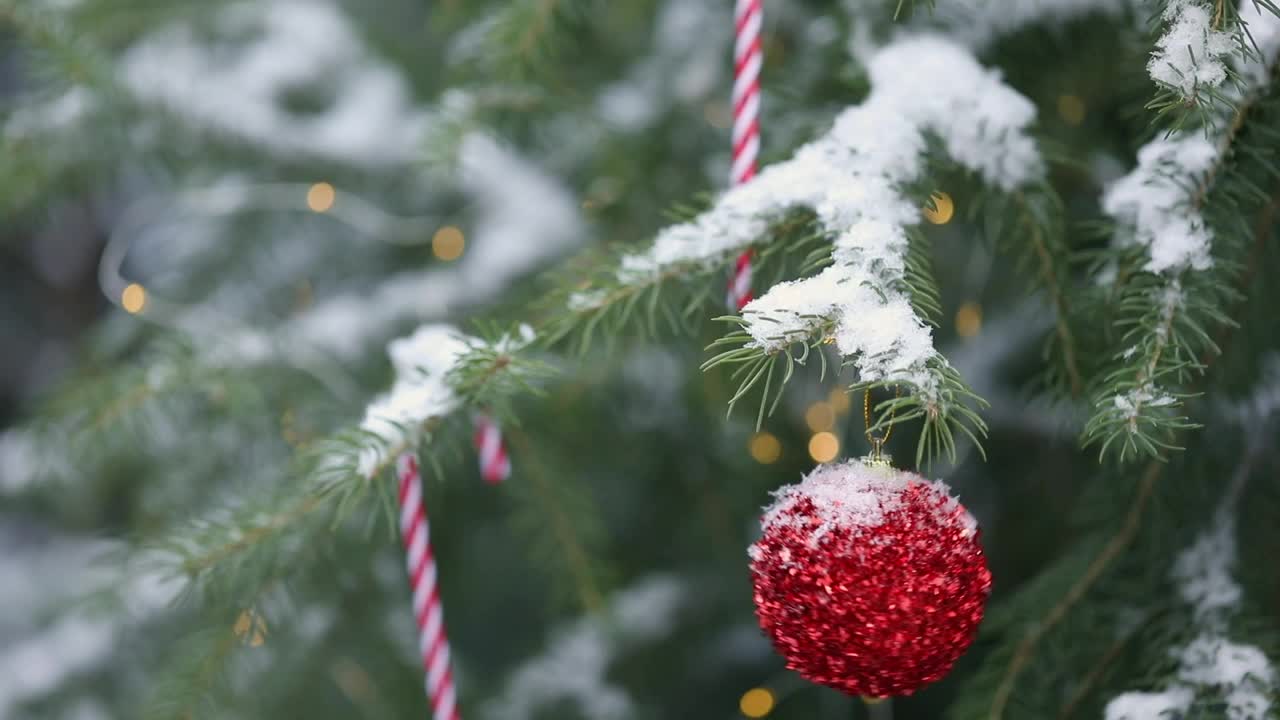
point(1156, 201)
point(850, 495)
point(1191, 54)
point(1132, 402)
point(1168, 704)
point(422, 362)
point(575, 666)
point(852, 179)
point(1264, 30)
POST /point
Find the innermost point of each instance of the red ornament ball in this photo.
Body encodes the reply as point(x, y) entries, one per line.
point(868, 579)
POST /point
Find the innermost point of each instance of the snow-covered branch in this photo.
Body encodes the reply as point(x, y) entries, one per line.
point(1191, 56)
point(431, 381)
point(1159, 208)
point(1210, 662)
point(854, 180)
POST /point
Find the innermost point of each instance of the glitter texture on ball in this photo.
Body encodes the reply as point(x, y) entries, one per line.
point(868, 579)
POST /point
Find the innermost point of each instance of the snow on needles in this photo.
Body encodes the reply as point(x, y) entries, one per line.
point(1191, 54)
point(1241, 673)
point(423, 362)
point(1156, 201)
point(852, 179)
point(1157, 205)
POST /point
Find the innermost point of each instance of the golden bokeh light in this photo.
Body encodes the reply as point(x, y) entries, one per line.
point(321, 197)
point(820, 416)
point(823, 447)
point(969, 319)
point(764, 448)
point(1071, 109)
point(448, 243)
point(839, 400)
point(134, 298)
point(942, 210)
point(756, 702)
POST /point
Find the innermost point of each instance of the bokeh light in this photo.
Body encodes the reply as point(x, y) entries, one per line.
point(448, 243)
point(1071, 109)
point(820, 416)
point(321, 197)
point(756, 702)
point(824, 446)
point(969, 319)
point(134, 298)
point(942, 210)
point(764, 448)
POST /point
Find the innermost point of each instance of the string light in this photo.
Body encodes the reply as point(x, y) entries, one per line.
point(321, 197)
point(134, 298)
point(942, 210)
point(969, 319)
point(448, 243)
point(839, 400)
point(764, 448)
point(1071, 109)
point(820, 416)
point(823, 447)
point(756, 702)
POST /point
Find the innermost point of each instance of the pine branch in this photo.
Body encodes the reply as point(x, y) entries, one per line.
point(563, 529)
point(875, 295)
point(333, 474)
point(526, 34)
point(1168, 310)
point(181, 692)
point(1099, 670)
point(609, 302)
point(1052, 275)
point(1113, 549)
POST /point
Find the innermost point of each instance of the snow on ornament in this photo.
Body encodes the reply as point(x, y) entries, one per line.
point(869, 580)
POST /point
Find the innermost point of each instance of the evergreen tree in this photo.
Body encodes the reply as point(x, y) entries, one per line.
point(1035, 235)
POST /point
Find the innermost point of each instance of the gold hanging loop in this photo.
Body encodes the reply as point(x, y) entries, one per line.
point(877, 455)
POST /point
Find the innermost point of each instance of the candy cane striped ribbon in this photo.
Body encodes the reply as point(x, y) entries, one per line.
point(748, 56)
point(495, 463)
point(432, 642)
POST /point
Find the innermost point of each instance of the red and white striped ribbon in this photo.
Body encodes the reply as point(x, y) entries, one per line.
point(432, 641)
point(748, 57)
point(495, 462)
